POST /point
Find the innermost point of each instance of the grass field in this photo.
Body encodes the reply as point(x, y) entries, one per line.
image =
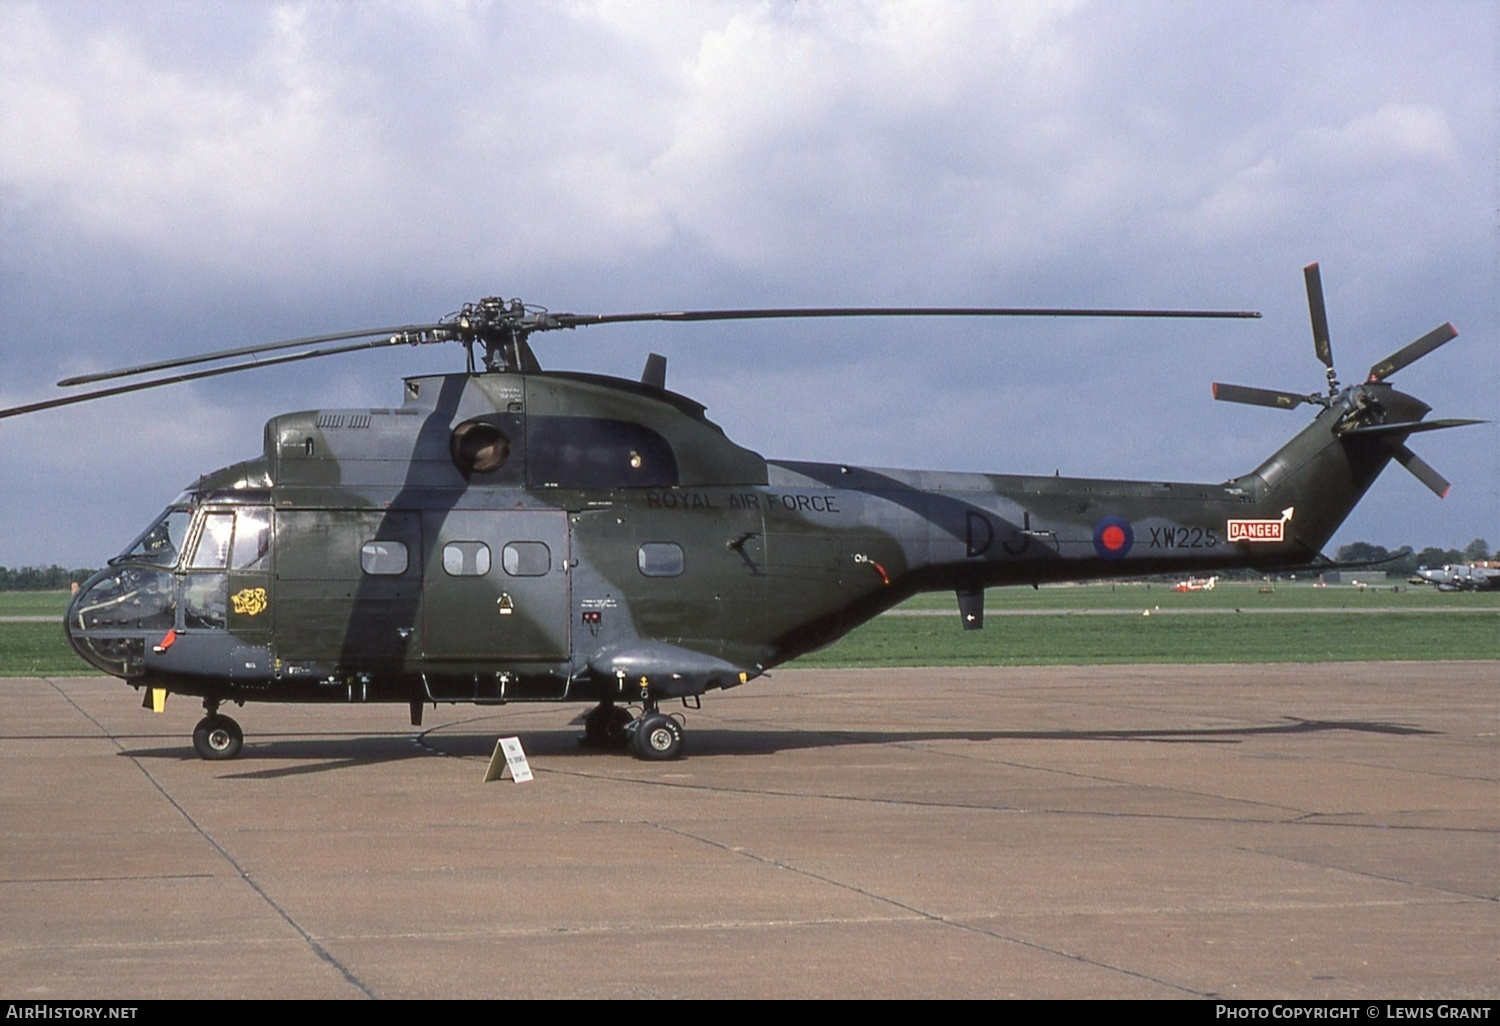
point(1064, 638)
point(1229, 595)
point(1235, 623)
point(33, 603)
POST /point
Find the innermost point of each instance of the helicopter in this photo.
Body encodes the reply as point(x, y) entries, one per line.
point(512, 534)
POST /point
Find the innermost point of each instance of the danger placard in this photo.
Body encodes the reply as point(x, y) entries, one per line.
point(1259, 530)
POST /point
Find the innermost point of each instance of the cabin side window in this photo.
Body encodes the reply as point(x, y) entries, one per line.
point(383, 558)
point(466, 559)
point(527, 559)
point(661, 559)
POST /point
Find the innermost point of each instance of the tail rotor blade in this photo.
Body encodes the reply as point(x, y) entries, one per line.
point(1319, 313)
point(1257, 396)
point(1361, 420)
point(1413, 352)
point(1423, 471)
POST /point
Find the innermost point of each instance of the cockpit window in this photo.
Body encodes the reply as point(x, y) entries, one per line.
point(161, 542)
point(239, 540)
point(252, 538)
point(212, 552)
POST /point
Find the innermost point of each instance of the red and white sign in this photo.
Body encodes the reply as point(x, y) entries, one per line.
point(1260, 530)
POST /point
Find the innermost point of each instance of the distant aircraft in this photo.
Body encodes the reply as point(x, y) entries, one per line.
point(1196, 584)
point(1461, 577)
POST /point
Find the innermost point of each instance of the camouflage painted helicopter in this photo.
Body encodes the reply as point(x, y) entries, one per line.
point(512, 534)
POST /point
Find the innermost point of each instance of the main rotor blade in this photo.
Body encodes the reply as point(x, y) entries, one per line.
point(406, 332)
point(569, 320)
point(138, 386)
point(1257, 396)
point(1319, 312)
point(1413, 352)
point(1422, 471)
point(225, 354)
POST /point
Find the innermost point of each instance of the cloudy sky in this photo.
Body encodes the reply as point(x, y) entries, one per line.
point(183, 177)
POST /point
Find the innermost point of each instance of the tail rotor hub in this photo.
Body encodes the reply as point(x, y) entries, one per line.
point(1373, 410)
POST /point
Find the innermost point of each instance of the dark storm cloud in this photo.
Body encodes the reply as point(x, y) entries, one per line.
point(184, 177)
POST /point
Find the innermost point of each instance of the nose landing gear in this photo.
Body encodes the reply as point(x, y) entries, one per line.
point(217, 737)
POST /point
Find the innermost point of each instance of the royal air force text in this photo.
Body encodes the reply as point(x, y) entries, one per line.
point(792, 503)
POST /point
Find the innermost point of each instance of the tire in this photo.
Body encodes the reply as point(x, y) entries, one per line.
point(217, 738)
point(615, 734)
point(604, 727)
point(657, 738)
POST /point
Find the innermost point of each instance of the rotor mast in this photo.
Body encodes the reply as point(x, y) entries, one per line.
point(498, 328)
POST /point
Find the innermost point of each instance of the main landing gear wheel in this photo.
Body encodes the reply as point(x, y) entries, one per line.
point(217, 737)
point(656, 737)
point(604, 726)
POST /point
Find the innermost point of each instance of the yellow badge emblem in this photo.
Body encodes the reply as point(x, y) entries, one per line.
point(250, 602)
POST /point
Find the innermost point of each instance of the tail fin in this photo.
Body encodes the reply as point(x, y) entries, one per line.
point(1319, 476)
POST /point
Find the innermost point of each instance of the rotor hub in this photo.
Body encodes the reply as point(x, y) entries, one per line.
point(496, 329)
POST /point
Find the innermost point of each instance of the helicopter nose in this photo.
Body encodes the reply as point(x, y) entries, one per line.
point(115, 612)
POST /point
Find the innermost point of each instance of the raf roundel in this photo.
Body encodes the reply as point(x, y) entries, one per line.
point(1113, 537)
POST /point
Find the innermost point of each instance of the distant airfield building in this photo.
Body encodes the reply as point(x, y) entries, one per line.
point(1355, 577)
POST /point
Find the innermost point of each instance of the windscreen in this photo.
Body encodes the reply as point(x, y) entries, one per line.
point(161, 543)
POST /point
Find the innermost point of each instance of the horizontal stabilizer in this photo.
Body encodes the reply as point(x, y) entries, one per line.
point(1411, 427)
